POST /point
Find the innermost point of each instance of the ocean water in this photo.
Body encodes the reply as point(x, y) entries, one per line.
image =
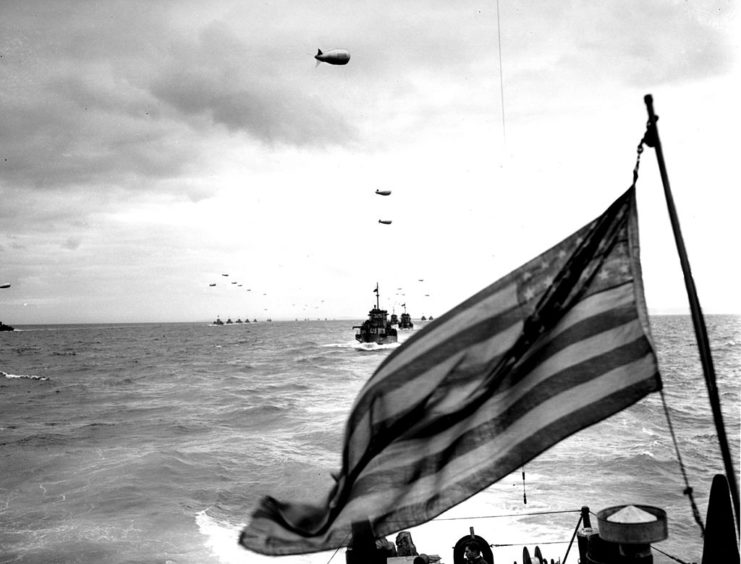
point(150, 443)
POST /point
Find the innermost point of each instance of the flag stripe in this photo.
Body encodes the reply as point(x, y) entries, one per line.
point(499, 402)
point(519, 453)
point(442, 431)
point(586, 337)
point(406, 450)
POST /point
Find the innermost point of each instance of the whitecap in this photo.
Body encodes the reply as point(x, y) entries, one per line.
point(222, 540)
point(373, 347)
point(25, 376)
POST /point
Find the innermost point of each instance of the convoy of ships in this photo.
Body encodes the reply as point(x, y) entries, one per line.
point(229, 321)
point(381, 329)
point(378, 328)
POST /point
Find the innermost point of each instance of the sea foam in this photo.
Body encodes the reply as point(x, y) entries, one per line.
point(26, 376)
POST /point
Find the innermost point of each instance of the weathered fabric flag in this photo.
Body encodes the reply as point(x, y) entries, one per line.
point(555, 346)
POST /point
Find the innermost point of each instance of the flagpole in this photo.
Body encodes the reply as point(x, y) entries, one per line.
point(703, 343)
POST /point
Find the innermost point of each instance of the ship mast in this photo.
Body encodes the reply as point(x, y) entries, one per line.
point(703, 343)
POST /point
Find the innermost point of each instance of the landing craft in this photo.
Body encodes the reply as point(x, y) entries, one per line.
point(385, 221)
point(212, 285)
point(225, 275)
point(383, 192)
point(6, 285)
point(333, 57)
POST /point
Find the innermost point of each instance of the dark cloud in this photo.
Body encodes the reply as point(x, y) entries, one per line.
point(88, 127)
point(125, 97)
point(59, 211)
point(247, 90)
point(72, 243)
point(63, 143)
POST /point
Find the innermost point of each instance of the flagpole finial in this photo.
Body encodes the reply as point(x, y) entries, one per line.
point(651, 135)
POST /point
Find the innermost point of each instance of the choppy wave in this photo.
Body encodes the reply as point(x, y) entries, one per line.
point(22, 376)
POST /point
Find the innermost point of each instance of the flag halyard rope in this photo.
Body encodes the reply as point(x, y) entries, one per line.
point(648, 139)
point(687, 488)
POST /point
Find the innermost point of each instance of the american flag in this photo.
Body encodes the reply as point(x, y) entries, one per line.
point(553, 347)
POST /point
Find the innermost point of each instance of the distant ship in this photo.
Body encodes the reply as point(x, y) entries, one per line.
point(4, 327)
point(218, 322)
point(377, 328)
point(406, 319)
point(229, 321)
point(394, 319)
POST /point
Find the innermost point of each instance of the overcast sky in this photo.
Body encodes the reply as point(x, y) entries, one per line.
point(147, 148)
